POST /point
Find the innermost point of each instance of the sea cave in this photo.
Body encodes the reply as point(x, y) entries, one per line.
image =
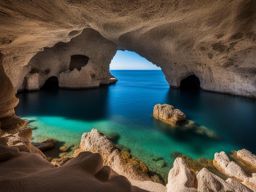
point(128, 96)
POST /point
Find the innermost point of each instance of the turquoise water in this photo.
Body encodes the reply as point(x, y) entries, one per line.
point(126, 109)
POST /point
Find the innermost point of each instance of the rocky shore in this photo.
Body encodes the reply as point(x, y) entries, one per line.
point(97, 164)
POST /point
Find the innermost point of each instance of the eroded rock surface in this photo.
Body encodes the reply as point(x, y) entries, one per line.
point(247, 157)
point(181, 178)
point(215, 41)
point(222, 175)
point(81, 63)
point(232, 169)
point(119, 160)
point(168, 114)
point(30, 172)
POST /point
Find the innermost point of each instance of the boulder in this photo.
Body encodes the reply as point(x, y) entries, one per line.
point(121, 161)
point(237, 186)
point(247, 157)
point(168, 114)
point(230, 168)
point(181, 178)
point(208, 182)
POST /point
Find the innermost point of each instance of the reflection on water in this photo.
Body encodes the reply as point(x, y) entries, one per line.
point(89, 105)
point(126, 108)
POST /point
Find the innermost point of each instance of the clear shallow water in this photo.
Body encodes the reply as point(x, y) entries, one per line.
point(126, 108)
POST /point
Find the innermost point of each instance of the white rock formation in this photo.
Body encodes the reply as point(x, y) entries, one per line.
point(168, 114)
point(83, 62)
point(237, 186)
point(247, 157)
point(181, 178)
point(213, 40)
point(209, 182)
point(120, 161)
point(232, 169)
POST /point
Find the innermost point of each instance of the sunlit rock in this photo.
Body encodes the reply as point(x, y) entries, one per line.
point(168, 114)
point(232, 169)
point(208, 181)
point(119, 160)
point(181, 178)
point(247, 157)
point(228, 167)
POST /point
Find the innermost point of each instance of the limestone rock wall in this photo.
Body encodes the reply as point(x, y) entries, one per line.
point(215, 40)
point(95, 51)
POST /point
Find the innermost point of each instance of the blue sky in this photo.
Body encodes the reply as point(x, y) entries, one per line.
point(128, 60)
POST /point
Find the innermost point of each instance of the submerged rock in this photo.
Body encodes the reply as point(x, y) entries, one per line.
point(168, 114)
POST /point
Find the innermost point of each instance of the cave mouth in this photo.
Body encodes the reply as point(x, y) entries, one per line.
point(51, 84)
point(191, 83)
point(78, 61)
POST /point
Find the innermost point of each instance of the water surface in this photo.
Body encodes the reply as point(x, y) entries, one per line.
point(126, 109)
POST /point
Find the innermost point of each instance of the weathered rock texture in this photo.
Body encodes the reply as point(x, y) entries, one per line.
point(215, 40)
point(23, 171)
point(8, 102)
point(176, 119)
point(82, 62)
point(181, 178)
point(168, 114)
point(224, 176)
point(120, 161)
point(232, 169)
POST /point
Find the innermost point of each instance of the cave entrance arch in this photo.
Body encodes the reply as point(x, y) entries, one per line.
point(129, 60)
point(51, 84)
point(191, 82)
point(78, 61)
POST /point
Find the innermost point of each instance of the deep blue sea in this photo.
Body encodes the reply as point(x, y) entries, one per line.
point(125, 108)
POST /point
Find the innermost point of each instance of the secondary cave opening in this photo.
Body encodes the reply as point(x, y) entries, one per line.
point(51, 84)
point(191, 83)
point(78, 61)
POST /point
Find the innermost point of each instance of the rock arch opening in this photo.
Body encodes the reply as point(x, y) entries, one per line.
point(78, 61)
point(129, 60)
point(51, 84)
point(191, 82)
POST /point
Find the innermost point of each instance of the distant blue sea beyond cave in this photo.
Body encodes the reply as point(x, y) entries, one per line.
point(128, 60)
